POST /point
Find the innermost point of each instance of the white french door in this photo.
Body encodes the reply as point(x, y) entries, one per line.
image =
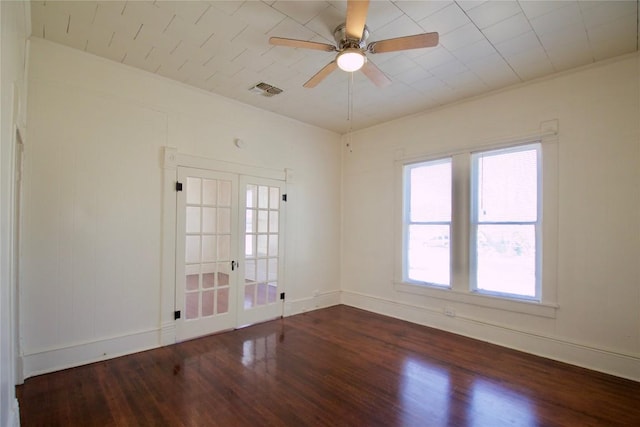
point(207, 241)
point(261, 268)
point(228, 251)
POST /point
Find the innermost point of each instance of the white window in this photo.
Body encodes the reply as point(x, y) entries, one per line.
point(480, 226)
point(506, 222)
point(427, 212)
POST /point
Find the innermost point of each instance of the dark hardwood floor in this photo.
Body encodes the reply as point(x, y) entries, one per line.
point(334, 367)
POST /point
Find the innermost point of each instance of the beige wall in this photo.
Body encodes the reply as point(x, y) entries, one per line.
point(94, 282)
point(597, 323)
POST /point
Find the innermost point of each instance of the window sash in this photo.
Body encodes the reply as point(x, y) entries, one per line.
point(475, 222)
point(408, 224)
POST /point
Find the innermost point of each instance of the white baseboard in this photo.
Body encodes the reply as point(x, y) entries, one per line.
point(45, 361)
point(50, 360)
point(168, 333)
point(14, 416)
point(610, 362)
point(302, 305)
point(607, 361)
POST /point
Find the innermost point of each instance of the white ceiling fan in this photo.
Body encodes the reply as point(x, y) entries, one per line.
point(351, 45)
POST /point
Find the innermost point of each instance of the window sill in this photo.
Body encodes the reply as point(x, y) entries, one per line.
point(500, 303)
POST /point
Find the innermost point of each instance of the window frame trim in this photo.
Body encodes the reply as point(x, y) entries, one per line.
point(460, 291)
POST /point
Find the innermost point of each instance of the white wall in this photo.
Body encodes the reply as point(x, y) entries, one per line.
point(14, 18)
point(92, 268)
point(597, 324)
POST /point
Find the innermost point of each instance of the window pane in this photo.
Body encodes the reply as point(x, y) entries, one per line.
point(261, 294)
point(208, 248)
point(192, 249)
point(261, 268)
point(207, 303)
point(224, 193)
point(224, 220)
point(250, 221)
point(274, 197)
point(272, 292)
point(273, 269)
point(193, 282)
point(224, 248)
point(249, 296)
point(223, 300)
point(208, 280)
point(249, 271)
point(209, 192)
point(273, 222)
point(252, 195)
point(263, 221)
point(249, 245)
point(192, 300)
point(263, 197)
point(208, 220)
point(262, 244)
point(430, 198)
point(429, 254)
point(507, 186)
point(193, 190)
point(273, 245)
point(506, 259)
point(193, 219)
point(223, 274)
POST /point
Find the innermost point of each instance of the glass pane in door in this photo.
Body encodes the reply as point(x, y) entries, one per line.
point(207, 247)
point(262, 235)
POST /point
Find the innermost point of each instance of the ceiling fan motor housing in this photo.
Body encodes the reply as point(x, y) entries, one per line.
point(343, 42)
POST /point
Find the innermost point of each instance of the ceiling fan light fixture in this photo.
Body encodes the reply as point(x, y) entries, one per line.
point(351, 59)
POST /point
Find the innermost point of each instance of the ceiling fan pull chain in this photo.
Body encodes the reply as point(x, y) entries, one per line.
point(350, 112)
point(350, 102)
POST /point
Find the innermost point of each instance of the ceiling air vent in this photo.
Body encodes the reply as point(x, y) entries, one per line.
point(265, 89)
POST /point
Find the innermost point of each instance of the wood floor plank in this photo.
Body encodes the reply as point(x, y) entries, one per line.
point(333, 367)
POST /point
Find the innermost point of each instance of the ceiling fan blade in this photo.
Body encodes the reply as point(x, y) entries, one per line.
point(356, 18)
point(321, 75)
point(403, 43)
point(375, 74)
point(280, 41)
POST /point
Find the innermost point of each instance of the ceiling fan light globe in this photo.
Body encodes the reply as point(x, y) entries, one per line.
point(350, 60)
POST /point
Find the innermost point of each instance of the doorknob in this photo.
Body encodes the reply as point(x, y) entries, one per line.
point(234, 264)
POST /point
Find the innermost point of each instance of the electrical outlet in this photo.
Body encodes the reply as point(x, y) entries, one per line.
point(449, 311)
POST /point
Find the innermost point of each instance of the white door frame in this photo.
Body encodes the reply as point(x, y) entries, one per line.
point(15, 253)
point(171, 159)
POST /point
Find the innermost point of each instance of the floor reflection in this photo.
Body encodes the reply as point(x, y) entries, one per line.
point(425, 394)
point(431, 396)
point(259, 354)
point(495, 405)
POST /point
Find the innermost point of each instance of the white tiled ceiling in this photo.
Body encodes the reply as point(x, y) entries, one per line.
point(222, 47)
